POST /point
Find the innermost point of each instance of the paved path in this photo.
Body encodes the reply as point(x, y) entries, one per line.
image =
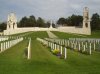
point(51, 35)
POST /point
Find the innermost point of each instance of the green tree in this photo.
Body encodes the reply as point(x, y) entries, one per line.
point(47, 24)
point(74, 20)
point(3, 26)
point(27, 22)
point(95, 21)
point(23, 22)
point(40, 22)
point(61, 21)
point(32, 21)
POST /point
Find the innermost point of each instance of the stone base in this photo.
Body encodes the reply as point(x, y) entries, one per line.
point(85, 31)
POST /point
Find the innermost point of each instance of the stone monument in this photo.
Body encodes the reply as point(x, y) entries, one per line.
point(85, 29)
point(11, 22)
point(51, 24)
point(86, 19)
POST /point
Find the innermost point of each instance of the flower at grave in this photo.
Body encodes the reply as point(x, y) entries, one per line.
point(56, 52)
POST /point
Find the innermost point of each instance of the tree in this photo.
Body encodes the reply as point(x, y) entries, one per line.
point(3, 26)
point(40, 22)
point(47, 24)
point(32, 21)
point(74, 20)
point(61, 21)
point(28, 22)
point(95, 22)
point(23, 22)
point(53, 25)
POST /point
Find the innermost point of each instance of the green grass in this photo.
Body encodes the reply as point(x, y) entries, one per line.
point(12, 61)
point(95, 34)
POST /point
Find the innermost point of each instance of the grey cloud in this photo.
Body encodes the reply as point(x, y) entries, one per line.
point(48, 9)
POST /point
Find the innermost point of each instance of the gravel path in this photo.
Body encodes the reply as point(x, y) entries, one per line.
point(51, 35)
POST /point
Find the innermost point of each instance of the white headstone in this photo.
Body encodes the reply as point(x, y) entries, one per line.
point(84, 47)
point(65, 53)
point(61, 50)
point(29, 49)
point(79, 46)
point(1, 47)
point(90, 49)
point(94, 46)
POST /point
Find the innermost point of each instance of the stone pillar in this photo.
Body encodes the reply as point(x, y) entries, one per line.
point(11, 22)
point(86, 21)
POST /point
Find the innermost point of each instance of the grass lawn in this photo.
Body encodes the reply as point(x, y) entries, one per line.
point(95, 34)
point(12, 61)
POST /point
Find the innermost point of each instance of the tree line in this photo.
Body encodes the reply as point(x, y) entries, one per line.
point(77, 20)
point(31, 21)
point(73, 20)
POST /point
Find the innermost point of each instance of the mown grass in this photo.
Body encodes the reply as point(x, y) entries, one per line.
point(12, 61)
point(95, 34)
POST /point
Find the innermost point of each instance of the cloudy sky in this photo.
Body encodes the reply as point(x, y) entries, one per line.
point(47, 9)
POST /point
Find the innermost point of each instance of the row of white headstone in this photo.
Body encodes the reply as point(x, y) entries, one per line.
point(85, 46)
point(62, 41)
point(14, 37)
point(85, 39)
point(7, 44)
point(54, 46)
point(3, 39)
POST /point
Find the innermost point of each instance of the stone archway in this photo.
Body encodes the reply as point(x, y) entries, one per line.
point(13, 25)
point(86, 25)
